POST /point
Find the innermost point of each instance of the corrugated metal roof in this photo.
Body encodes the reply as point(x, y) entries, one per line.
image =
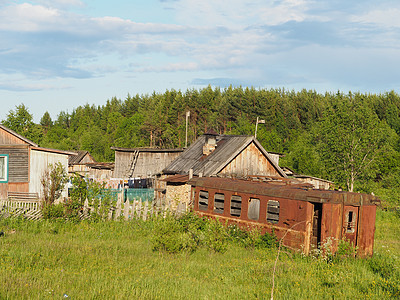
point(228, 147)
point(284, 189)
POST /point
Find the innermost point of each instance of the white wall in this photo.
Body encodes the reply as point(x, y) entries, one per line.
point(39, 161)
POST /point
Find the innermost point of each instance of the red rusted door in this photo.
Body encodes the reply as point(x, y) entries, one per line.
point(350, 224)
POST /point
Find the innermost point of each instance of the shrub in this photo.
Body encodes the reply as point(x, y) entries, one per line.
point(168, 235)
point(53, 211)
point(216, 236)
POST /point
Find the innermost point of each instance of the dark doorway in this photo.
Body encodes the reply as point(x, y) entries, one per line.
point(316, 226)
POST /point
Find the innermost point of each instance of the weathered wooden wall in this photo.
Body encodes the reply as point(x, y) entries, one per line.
point(147, 163)
point(7, 138)
point(18, 169)
point(250, 162)
point(38, 164)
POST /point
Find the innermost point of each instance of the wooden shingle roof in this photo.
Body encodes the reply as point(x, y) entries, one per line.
point(228, 147)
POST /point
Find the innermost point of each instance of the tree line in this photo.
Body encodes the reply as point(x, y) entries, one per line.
point(349, 138)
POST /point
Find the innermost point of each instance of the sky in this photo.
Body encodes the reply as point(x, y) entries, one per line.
point(56, 55)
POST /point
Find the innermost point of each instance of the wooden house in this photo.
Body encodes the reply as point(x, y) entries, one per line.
point(216, 155)
point(22, 163)
point(304, 217)
point(225, 155)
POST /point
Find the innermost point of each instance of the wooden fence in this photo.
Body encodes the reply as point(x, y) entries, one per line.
point(27, 205)
point(137, 209)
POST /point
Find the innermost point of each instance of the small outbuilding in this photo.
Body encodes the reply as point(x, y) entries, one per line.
point(131, 163)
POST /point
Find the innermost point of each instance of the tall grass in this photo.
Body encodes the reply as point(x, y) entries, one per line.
point(115, 260)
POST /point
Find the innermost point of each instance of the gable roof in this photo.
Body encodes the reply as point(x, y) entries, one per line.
point(76, 159)
point(228, 147)
point(12, 132)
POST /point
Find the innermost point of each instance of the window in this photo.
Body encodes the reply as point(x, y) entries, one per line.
point(254, 209)
point(350, 224)
point(203, 200)
point(3, 167)
point(236, 206)
point(219, 203)
point(272, 211)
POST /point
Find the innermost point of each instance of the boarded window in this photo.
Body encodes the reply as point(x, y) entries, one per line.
point(3, 168)
point(219, 200)
point(272, 211)
point(236, 206)
point(203, 200)
point(350, 224)
point(254, 209)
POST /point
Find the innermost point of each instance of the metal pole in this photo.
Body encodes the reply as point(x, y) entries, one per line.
point(187, 120)
point(255, 133)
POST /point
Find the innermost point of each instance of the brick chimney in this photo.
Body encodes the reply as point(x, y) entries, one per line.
point(211, 142)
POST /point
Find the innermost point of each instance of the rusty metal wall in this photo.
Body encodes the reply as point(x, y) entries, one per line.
point(366, 230)
point(296, 212)
point(294, 216)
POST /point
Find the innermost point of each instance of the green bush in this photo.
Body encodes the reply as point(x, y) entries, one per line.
point(53, 211)
point(169, 236)
point(216, 236)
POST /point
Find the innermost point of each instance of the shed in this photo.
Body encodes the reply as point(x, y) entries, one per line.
point(23, 162)
point(142, 162)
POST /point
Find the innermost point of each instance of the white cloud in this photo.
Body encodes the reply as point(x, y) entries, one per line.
point(388, 18)
point(27, 17)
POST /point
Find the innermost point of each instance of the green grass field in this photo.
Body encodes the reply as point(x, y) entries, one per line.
point(114, 260)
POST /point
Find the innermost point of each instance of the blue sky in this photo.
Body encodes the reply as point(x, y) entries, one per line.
point(58, 54)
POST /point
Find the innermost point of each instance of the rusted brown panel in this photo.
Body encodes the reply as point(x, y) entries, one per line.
point(281, 188)
point(366, 230)
point(18, 187)
point(350, 224)
point(331, 224)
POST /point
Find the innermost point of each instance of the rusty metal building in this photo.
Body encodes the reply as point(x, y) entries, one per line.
point(304, 216)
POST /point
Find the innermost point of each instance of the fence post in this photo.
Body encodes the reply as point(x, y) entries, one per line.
point(127, 206)
point(139, 209)
point(146, 208)
point(118, 209)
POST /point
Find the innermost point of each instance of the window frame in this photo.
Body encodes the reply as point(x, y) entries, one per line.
point(273, 209)
point(203, 207)
point(235, 199)
point(5, 176)
point(219, 209)
point(253, 208)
